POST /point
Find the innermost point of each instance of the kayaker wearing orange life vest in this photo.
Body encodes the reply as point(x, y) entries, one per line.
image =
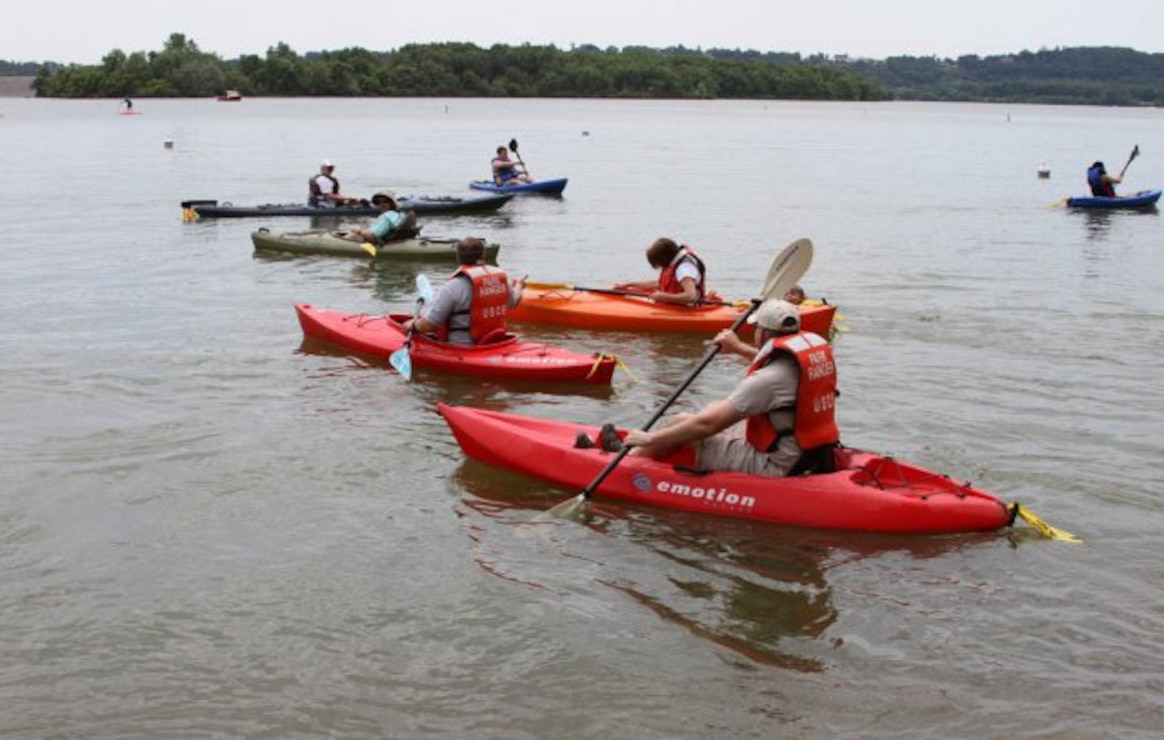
point(786, 404)
point(683, 280)
point(470, 306)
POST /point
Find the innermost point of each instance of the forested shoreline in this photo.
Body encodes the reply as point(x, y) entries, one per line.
point(1085, 75)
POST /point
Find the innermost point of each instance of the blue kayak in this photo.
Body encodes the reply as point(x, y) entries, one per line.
point(545, 187)
point(1142, 199)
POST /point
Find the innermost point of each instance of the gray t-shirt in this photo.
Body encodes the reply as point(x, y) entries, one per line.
point(450, 307)
point(771, 387)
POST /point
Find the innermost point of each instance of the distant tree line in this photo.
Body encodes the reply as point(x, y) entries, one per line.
point(1073, 76)
point(181, 69)
point(1085, 75)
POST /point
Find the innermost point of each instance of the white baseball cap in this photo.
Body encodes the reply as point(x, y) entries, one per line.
point(778, 316)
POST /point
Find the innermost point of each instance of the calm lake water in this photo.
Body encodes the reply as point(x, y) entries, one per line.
point(210, 529)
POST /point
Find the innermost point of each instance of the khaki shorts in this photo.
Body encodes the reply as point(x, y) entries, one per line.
point(728, 450)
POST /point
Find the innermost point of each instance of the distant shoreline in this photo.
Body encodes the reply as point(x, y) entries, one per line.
point(16, 86)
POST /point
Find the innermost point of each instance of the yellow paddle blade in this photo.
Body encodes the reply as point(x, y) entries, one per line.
point(1059, 203)
point(1046, 529)
point(548, 286)
point(367, 247)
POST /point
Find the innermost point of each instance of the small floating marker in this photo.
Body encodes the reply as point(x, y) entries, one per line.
point(168, 144)
point(585, 132)
point(1044, 171)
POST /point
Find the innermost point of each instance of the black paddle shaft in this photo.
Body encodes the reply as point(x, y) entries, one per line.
point(707, 358)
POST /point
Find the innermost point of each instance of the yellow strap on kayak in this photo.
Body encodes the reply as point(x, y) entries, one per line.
point(1047, 530)
point(598, 359)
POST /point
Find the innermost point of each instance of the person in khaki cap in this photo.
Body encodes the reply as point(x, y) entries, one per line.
point(780, 418)
point(392, 223)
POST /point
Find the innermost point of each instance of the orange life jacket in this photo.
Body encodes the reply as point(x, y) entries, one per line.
point(814, 420)
point(668, 283)
point(490, 302)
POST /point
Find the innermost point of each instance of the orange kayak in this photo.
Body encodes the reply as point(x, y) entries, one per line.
point(590, 310)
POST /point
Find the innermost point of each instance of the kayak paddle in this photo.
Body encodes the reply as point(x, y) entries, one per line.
point(785, 271)
point(513, 146)
point(630, 293)
point(1135, 153)
point(401, 359)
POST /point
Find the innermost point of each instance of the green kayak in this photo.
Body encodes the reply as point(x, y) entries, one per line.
point(332, 243)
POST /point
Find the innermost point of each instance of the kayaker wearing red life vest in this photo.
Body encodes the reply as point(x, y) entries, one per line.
point(470, 306)
point(683, 280)
point(786, 404)
point(1102, 184)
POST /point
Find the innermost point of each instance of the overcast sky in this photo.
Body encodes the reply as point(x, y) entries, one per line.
point(83, 31)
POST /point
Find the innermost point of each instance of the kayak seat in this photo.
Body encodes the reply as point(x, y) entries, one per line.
point(497, 335)
point(401, 233)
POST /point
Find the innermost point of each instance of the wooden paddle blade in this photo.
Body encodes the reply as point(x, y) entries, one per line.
point(402, 361)
point(787, 269)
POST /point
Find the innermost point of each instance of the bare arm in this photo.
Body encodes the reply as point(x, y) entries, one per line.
point(688, 297)
point(712, 419)
point(729, 341)
point(638, 286)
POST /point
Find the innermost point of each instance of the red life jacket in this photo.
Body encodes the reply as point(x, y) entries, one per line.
point(814, 420)
point(668, 283)
point(490, 302)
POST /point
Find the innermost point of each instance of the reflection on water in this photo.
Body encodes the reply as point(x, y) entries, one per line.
point(758, 589)
point(1099, 222)
point(459, 389)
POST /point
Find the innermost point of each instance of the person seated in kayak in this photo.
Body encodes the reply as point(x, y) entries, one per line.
point(324, 189)
point(778, 421)
point(390, 224)
point(683, 280)
point(1102, 184)
point(471, 306)
point(506, 171)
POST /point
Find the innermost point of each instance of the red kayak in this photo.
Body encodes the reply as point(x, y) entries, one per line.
point(507, 358)
point(868, 492)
